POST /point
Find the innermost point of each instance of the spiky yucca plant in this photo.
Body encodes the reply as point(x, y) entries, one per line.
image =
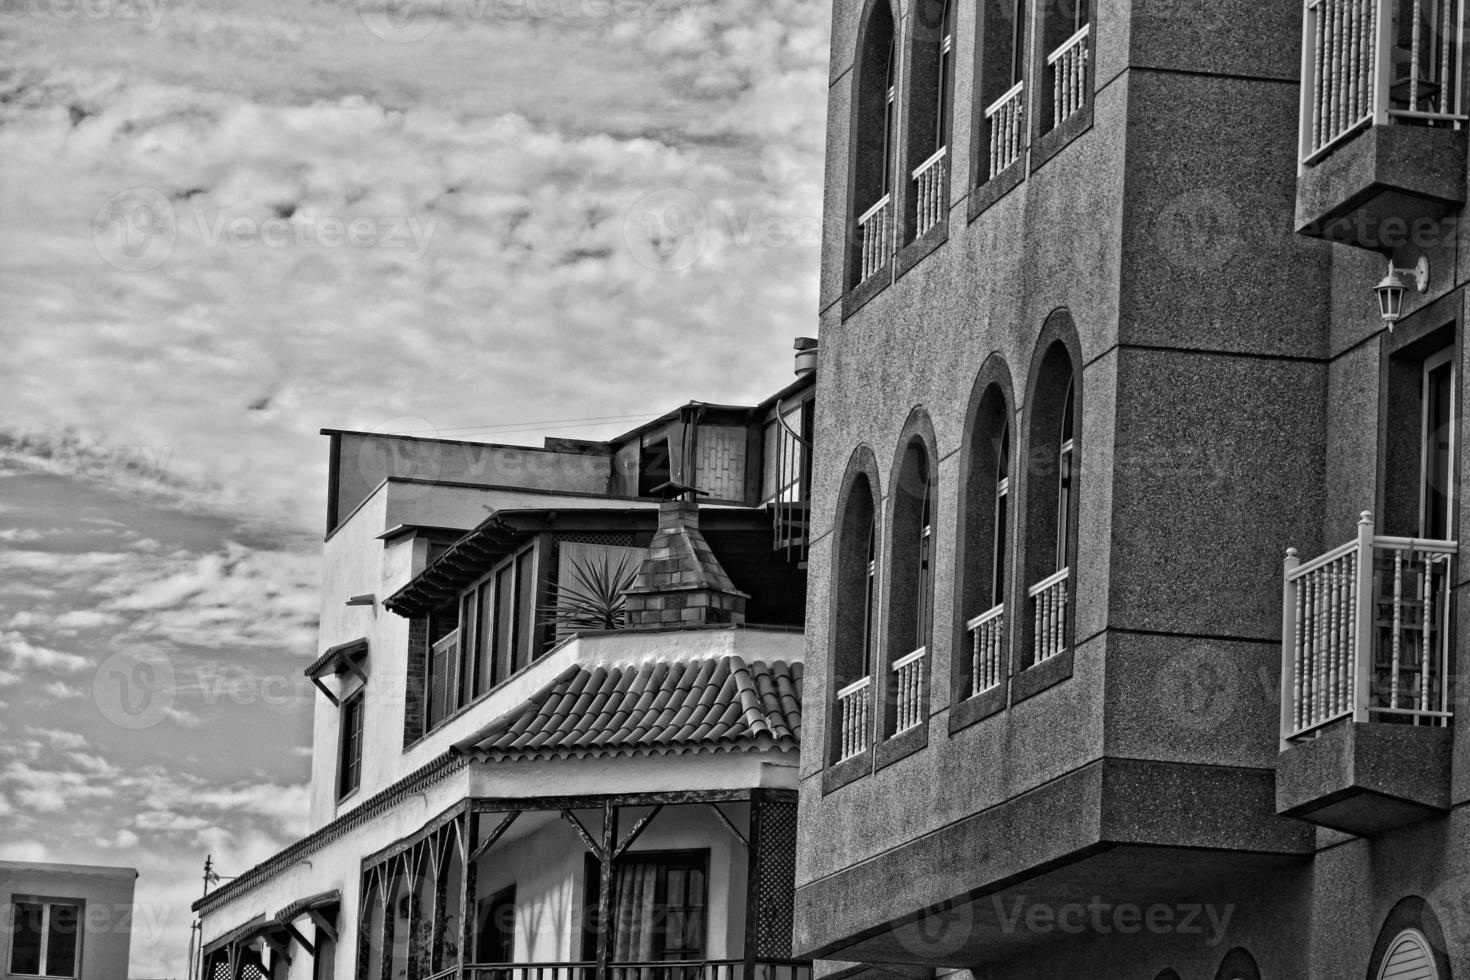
point(593, 595)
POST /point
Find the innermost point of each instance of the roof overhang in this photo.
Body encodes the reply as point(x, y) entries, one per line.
point(342, 658)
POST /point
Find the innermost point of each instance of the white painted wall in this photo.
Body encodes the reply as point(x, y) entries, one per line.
point(107, 917)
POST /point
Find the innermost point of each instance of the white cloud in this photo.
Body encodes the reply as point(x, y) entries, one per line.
point(24, 653)
point(60, 739)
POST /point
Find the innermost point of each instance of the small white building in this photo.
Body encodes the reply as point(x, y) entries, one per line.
point(65, 920)
point(499, 789)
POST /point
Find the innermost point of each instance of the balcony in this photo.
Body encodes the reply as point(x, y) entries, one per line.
point(1382, 136)
point(1365, 661)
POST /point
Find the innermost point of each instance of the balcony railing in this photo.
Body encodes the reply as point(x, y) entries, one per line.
point(875, 236)
point(1365, 633)
point(655, 970)
point(854, 718)
point(929, 202)
point(987, 632)
point(1068, 67)
point(1007, 132)
point(1049, 616)
point(908, 680)
point(1357, 70)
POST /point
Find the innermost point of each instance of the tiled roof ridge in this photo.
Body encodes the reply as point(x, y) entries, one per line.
point(653, 706)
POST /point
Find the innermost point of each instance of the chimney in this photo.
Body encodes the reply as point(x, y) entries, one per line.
point(681, 582)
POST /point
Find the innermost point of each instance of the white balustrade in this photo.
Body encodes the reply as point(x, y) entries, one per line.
point(854, 718)
point(1049, 616)
point(908, 677)
point(987, 635)
point(1006, 116)
point(1350, 78)
point(1365, 633)
point(875, 234)
point(1068, 65)
point(929, 199)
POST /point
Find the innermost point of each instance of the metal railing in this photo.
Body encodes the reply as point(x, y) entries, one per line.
point(1354, 64)
point(650, 970)
point(987, 640)
point(908, 680)
point(854, 718)
point(789, 501)
point(1049, 616)
point(1068, 67)
point(929, 197)
point(1006, 116)
point(1365, 633)
point(875, 236)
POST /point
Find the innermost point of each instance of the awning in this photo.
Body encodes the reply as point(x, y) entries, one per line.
point(342, 657)
point(323, 902)
point(464, 561)
point(241, 935)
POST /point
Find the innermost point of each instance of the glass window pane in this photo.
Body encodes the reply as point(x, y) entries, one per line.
point(525, 607)
point(485, 646)
point(505, 606)
point(61, 941)
point(25, 946)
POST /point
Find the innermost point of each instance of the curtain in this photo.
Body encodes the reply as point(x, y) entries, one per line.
point(635, 884)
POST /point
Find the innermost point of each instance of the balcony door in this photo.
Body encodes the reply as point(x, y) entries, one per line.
point(1438, 437)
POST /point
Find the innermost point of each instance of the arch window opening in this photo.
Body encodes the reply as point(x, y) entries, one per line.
point(933, 87)
point(855, 622)
point(981, 648)
point(911, 604)
point(875, 130)
point(1051, 508)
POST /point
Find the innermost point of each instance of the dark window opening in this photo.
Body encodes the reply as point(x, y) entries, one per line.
point(654, 469)
point(349, 759)
point(45, 938)
point(873, 145)
point(495, 927)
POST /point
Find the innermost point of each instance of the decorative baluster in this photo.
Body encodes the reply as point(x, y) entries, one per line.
point(1398, 613)
point(1298, 655)
point(1424, 642)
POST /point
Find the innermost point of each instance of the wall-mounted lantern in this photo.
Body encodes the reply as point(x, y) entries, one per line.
point(1391, 290)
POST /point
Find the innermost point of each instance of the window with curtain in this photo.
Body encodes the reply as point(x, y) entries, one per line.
point(659, 907)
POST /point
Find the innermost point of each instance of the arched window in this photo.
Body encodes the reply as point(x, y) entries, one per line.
point(1408, 958)
point(911, 588)
point(854, 613)
point(1000, 72)
point(1051, 506)
point(1411, 944)
point(875, 121)
point(981, 652)
point(930, 100)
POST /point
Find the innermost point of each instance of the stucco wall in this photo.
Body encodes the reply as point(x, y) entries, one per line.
point(107, 917)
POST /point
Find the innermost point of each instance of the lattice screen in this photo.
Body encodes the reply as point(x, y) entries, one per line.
point(776, 887)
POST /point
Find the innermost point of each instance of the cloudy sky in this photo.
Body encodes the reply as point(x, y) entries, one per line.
point(229, 224)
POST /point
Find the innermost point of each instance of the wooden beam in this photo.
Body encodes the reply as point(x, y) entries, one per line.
point(641, 823)
point(486, 804)
point(500, 828)
point(323, 923)
point(728, 825)
point(277, 946)
point(301, 940)
point(604, 888)
point(582, 832)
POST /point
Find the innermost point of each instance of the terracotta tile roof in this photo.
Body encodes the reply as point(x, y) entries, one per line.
point(655, 708)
